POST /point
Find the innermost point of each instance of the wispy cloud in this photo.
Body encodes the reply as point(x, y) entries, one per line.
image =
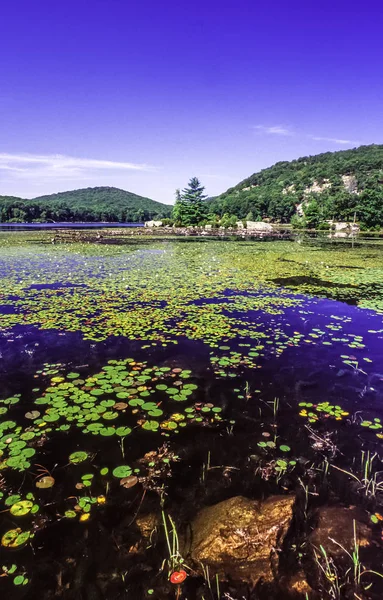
point(274, 130)
point(287, 131)
point(58, 166)
point(333, 140)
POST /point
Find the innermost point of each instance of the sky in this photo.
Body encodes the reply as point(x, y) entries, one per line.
point(143, 94)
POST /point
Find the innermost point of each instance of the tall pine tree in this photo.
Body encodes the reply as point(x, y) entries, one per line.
point(190, 207)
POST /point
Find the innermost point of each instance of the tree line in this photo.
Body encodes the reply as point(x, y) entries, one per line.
point(90, 204)
point(332, 185)
point(342, 186)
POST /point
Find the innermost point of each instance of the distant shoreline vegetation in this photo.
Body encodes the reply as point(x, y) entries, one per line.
point(338, 186)
point(99, 204)
point(307, 193)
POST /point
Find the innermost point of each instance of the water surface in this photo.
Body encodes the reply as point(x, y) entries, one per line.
point(235, 354)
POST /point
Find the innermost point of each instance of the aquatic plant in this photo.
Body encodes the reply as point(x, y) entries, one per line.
point(314, 411)
point(233, 313)
point(370, 481)
point(174, 560)
point(352, 575)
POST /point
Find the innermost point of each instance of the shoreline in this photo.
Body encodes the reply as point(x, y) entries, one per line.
point(69, 231)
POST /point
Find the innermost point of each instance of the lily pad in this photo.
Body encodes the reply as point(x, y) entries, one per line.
point(22, 508)
point(15, 538)
point(45, 482)
point(78, 457)
point(122, 471)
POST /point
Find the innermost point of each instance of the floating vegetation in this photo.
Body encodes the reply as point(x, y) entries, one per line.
point(45, 482)
point(78, 457)
point(122, 472)
point(92, 406)
point(324, 409)
point(15, 538)
point(132, 368)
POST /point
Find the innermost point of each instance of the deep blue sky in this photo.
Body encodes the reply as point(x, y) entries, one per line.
point(216, 89)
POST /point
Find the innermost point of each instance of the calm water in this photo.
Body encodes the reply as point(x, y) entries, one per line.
point(63, 225)
point(191, 351)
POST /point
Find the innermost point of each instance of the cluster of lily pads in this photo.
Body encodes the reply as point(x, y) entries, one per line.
point(199, 291)
point(313, 412)
point(119, 293)
point(375, 424)
point(18, 575)
point(324, 410)
point(124, 397)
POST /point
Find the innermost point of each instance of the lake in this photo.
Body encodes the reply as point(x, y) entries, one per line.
point(146, 382)
point(64, 225)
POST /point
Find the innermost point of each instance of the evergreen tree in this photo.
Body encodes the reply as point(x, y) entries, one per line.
point(312, 214)
point(179, 210)
point(194, 199)
point(190, 207)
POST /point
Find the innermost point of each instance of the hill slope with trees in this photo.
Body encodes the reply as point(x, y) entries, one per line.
point(333, 185)
point(89, 204)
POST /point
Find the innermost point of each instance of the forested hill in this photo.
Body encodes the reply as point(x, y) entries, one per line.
point(340, 184)
point(89, 204)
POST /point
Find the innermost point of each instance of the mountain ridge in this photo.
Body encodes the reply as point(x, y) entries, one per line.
point(341, 183)
point(101, 203)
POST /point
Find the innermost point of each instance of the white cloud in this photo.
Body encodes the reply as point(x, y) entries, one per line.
point(284, 130)
point(333, 140)
point(273, 130)
point(58, 166)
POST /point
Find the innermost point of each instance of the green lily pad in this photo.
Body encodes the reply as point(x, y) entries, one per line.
point(22, 508)
point(12, 499)
point(123, 431)
point(15, 538)
point(122, 471)
point(284, 448)
point(107, 431)
point(78, 457)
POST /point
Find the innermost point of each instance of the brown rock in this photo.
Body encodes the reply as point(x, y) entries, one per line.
point(238, 537)
point(298, 587)
point(336, 523)
point(147, 524)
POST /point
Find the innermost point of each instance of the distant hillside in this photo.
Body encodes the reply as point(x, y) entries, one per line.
point(89, 204)
point(341, 184)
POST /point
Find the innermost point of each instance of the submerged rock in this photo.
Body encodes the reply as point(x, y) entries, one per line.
point(238, 538)
point(147, 525)
point(297, 587)
point(336, 528)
